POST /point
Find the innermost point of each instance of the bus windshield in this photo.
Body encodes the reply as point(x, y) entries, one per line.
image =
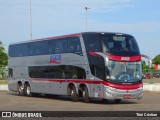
point(121, 45)
point(124, 72)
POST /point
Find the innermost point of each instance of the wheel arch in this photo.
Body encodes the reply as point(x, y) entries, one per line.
point(20, 82)
point(69, 87)
point(81, 88)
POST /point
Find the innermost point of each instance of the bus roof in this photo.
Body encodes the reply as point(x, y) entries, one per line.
point(69, 35)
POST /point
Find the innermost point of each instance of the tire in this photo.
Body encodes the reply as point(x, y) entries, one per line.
point(27, 90)
point(20, 89)
point(74, 94)
point(85, 95)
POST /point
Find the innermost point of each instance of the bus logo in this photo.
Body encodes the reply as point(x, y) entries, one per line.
point(125, 58)
point(55, 59)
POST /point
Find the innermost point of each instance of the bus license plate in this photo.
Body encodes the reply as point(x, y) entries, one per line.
point(127, 96)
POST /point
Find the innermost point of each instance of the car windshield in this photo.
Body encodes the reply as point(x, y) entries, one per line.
point(124, 72)
point(121, 45)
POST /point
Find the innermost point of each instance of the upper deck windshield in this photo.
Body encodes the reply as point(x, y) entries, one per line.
point(121, 45)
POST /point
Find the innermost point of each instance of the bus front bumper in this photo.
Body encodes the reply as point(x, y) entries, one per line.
point(113, 93)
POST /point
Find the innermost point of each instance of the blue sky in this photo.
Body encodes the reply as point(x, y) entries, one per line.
point(141, 18)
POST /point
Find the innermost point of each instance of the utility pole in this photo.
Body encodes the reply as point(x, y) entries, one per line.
point(30, 19)
point(86, 8)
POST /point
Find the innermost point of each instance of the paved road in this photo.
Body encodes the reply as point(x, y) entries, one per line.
point(10, 101)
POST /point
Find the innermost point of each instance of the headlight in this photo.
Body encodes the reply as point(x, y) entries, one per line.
point(110, 88)
point(140, 88)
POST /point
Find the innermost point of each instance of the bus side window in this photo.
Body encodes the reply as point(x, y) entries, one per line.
point(50, 47)
point(11, 51)
point(74, 45)
point(61, 46)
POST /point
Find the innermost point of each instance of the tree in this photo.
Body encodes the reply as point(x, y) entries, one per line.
point(3, 61)
point(146, 68)
point(156, 60)
point(3, 56)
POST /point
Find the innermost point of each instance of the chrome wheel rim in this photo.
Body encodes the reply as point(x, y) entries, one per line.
point(28, 90)
point(84, 93)
point(21, 89)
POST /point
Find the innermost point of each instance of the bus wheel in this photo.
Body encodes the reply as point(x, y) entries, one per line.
point(85, 95)
point(74, 94)
point(117, 100)
point(27, 89)
point(20, 89)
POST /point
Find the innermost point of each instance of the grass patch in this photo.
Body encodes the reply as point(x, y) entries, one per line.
point(3, 82)
point(151, 81)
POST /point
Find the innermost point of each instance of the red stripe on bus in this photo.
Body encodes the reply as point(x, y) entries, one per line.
point(123, 87)
point(94, 54)
point(117, 86)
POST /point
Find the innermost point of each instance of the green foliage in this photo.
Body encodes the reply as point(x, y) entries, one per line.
point(3, 61)
point(156, 60)
point(145, 68)
point(3, 56)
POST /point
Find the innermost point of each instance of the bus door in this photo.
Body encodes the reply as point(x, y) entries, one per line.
point(97, 67)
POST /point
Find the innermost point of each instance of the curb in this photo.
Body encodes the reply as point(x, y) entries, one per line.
point(4, 87)
point(151, 87)
point(146, 87)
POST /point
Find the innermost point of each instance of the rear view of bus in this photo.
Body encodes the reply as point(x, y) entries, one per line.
point(115, 59)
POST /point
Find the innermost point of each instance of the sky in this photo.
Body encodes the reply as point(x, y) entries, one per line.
point(140, 18)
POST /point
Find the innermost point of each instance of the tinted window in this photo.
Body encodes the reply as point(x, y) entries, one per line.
point(57, 72)
point(40, 48)
point(124, 45)
point(32, 48)
point(74, 45)
point(11, 50)
point(92, 42)
point(50, 47)
point(55, 46)
point(61, 46)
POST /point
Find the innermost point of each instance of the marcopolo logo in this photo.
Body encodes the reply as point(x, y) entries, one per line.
point(55, 59)
point(125, 58)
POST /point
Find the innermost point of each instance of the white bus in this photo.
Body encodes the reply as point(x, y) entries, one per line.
point(85, 65)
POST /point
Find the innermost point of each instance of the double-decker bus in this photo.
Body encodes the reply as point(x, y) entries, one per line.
point(86, 65)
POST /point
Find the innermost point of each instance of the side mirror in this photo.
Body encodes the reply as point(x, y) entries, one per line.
point(149, 60)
